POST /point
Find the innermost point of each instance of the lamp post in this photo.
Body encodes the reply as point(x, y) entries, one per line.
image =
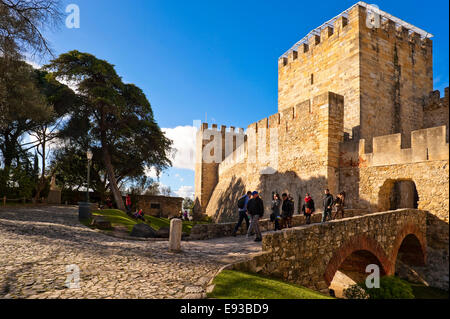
point(84, 208)
point(89, 158)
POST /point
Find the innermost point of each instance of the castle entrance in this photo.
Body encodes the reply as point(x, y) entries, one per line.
point(397, 194)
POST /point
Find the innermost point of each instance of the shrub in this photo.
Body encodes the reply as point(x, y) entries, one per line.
point(355, 292)
point(390, 288)
point(207, 219)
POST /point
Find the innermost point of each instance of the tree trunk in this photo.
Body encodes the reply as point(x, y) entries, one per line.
point(108, 165)
point(112, 179)
point(41, 183)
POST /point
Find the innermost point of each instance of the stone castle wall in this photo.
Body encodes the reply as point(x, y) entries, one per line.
point(369, 181)
point(306, 157)
point(436, 110)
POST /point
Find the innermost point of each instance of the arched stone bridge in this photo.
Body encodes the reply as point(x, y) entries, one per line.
point(310, 255)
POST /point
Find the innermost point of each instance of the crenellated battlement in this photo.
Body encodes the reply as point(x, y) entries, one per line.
point(315, 38)
point(426, 145)
point(217, 144)
point(323, 112)
point(223, 128)
point(435, 101)
point(355, 18)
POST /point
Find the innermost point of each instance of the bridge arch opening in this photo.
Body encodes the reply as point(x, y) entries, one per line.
point(348, 265)
point(398, 193)
point(410, 260)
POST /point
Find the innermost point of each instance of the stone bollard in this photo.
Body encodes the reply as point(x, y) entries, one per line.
point(176, 226)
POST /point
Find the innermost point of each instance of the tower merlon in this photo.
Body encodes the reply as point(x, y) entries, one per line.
point(326, 32)
point(314, 40)
point(340, 23)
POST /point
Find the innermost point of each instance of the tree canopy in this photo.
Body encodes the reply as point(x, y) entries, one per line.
point(115, 119)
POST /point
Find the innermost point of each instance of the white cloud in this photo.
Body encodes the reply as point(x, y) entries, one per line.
point(185, 191)
point(33, 64)
point(151, 172)
point(183, 138)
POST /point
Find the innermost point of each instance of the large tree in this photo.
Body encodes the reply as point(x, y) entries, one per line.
point(22, 23)
point(62, 100)
point(115, 117)
point(22, 107)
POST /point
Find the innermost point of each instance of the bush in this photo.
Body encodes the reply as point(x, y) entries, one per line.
point(355, 292)
point(390, 288)
point(207, 219)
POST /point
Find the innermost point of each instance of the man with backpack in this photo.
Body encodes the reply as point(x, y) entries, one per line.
point(242, 209)
point(287, 211)
point(328, 202)
point(256, 211)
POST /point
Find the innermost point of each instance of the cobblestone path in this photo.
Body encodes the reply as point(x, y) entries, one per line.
point(37, 244)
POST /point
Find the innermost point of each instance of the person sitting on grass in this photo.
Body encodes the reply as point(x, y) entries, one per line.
point(109, 203)
point(139, 215)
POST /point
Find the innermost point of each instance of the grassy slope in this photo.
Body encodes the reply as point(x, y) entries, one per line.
point(423, 292)
point(239, 285)
point(119, 218)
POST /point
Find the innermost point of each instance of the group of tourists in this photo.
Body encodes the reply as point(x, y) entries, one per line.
point(184, 215)
point(329, 202)
point(138, 214)
point(251, 210)
point(282, 210)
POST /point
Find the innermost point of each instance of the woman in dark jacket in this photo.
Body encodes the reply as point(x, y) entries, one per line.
point(308, 208)
point(275, 216)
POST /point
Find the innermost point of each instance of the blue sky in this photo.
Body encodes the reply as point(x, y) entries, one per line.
point(217, 57)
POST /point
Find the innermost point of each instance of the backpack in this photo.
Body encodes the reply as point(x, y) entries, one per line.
point(241, 202)
point(291, 207)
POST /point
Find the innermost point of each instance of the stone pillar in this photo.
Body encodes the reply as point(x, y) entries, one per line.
point(54, 195)
point(176, 226)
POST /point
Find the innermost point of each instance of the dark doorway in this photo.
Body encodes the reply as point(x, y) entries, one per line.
point(403, 195)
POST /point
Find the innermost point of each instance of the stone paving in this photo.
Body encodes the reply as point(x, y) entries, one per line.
point(37, 244)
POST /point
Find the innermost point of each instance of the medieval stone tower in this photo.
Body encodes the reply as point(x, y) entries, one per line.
point(380, 64)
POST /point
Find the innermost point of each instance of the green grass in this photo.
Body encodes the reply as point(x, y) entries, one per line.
point(231, 284)
point(423, 292)
point(397, 288)
point(120, 218)
point(117, 218)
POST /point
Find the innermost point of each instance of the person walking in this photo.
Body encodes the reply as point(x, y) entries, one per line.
point(308, 208)
point(339, 204)
point(242, 210)
point(327, 206)
point(256, 210)
point(275, 216)
point(287, 211)
point(128, 204)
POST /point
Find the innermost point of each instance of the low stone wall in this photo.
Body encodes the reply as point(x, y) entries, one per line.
point(210, 231)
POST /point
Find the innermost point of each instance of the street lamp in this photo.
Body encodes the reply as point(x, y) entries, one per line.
point(89, 158)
